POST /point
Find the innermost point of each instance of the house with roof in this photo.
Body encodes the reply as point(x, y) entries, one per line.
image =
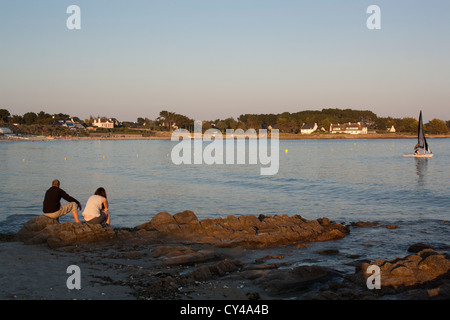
point(74, 123)
point(349, 128)
point(308, 128)
point(107, 123)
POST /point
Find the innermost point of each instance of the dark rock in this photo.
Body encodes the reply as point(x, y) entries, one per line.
point(417, 247)
point(182, 255)
point(363, 224)
point(328, 252)
point(280, 281)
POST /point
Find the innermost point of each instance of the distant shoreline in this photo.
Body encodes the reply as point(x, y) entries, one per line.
point(282, 136)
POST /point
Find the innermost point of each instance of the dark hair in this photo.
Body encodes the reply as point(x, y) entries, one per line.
point(100, 192)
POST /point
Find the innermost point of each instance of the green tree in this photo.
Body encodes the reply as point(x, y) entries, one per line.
point(148, 123)
point(384, 123)
point(16, 119)
point(286, 123)
point(140, 120)
point(183, 122)
point(167, 118)
point(29, 118)
point(231, 123)
point(436, 126)
point(326, 124)
point(4, 115)
point(43, 118)
point(407, 124)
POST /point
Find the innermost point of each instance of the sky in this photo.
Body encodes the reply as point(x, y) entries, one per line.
point(211, 59)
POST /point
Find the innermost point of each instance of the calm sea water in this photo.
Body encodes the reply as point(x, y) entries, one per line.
point(344, 180)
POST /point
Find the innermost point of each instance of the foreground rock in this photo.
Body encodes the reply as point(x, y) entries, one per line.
point(425, 275)
point(232, 231)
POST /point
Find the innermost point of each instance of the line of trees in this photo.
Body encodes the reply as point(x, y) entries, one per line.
point(29, 118)
point(285, 122)
point(292, 122)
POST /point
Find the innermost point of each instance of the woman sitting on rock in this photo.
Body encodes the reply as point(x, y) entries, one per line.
point(96, 210)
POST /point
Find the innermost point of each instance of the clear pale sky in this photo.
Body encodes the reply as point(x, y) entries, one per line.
point(210, 59)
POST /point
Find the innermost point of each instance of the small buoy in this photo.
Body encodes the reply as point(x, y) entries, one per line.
point(137, 156)
point(65, 158)
point(104, 157)
point(167, 154)
point(286, 151)
point(23, 159)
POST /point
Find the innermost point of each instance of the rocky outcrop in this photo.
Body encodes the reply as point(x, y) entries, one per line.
point(425, 266)
point(247, 230)
point(425, 275)
point(46, 230)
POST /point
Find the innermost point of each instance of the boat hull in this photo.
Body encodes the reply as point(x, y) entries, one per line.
point(419, 155)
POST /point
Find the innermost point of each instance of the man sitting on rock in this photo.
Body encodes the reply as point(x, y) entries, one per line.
point(52, 205)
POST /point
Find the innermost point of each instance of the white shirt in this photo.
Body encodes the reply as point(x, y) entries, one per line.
point(93, 207)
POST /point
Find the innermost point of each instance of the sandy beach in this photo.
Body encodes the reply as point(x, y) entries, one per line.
point(36, 272)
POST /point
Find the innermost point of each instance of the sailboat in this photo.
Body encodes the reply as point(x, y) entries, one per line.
point(421, 143)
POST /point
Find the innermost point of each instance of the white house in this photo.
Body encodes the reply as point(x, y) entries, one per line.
point(308, 128)
point(104, 123)
point(349, 128)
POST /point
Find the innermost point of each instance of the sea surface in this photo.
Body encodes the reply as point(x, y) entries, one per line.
point(344, 180)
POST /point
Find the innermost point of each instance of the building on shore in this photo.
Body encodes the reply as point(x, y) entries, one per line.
point(108, 123)
point(308, 128)
point(349, 128)
point(391, 129)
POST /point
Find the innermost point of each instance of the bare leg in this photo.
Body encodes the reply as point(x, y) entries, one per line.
point(75, 215)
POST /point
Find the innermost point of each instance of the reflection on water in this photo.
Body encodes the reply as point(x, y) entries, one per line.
point(421, 167)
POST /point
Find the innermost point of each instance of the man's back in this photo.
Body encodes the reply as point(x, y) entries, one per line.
point(53, 197)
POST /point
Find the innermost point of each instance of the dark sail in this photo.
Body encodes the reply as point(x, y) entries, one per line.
point(421, 136)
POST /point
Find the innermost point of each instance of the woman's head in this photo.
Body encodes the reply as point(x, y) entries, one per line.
point(100, 192)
